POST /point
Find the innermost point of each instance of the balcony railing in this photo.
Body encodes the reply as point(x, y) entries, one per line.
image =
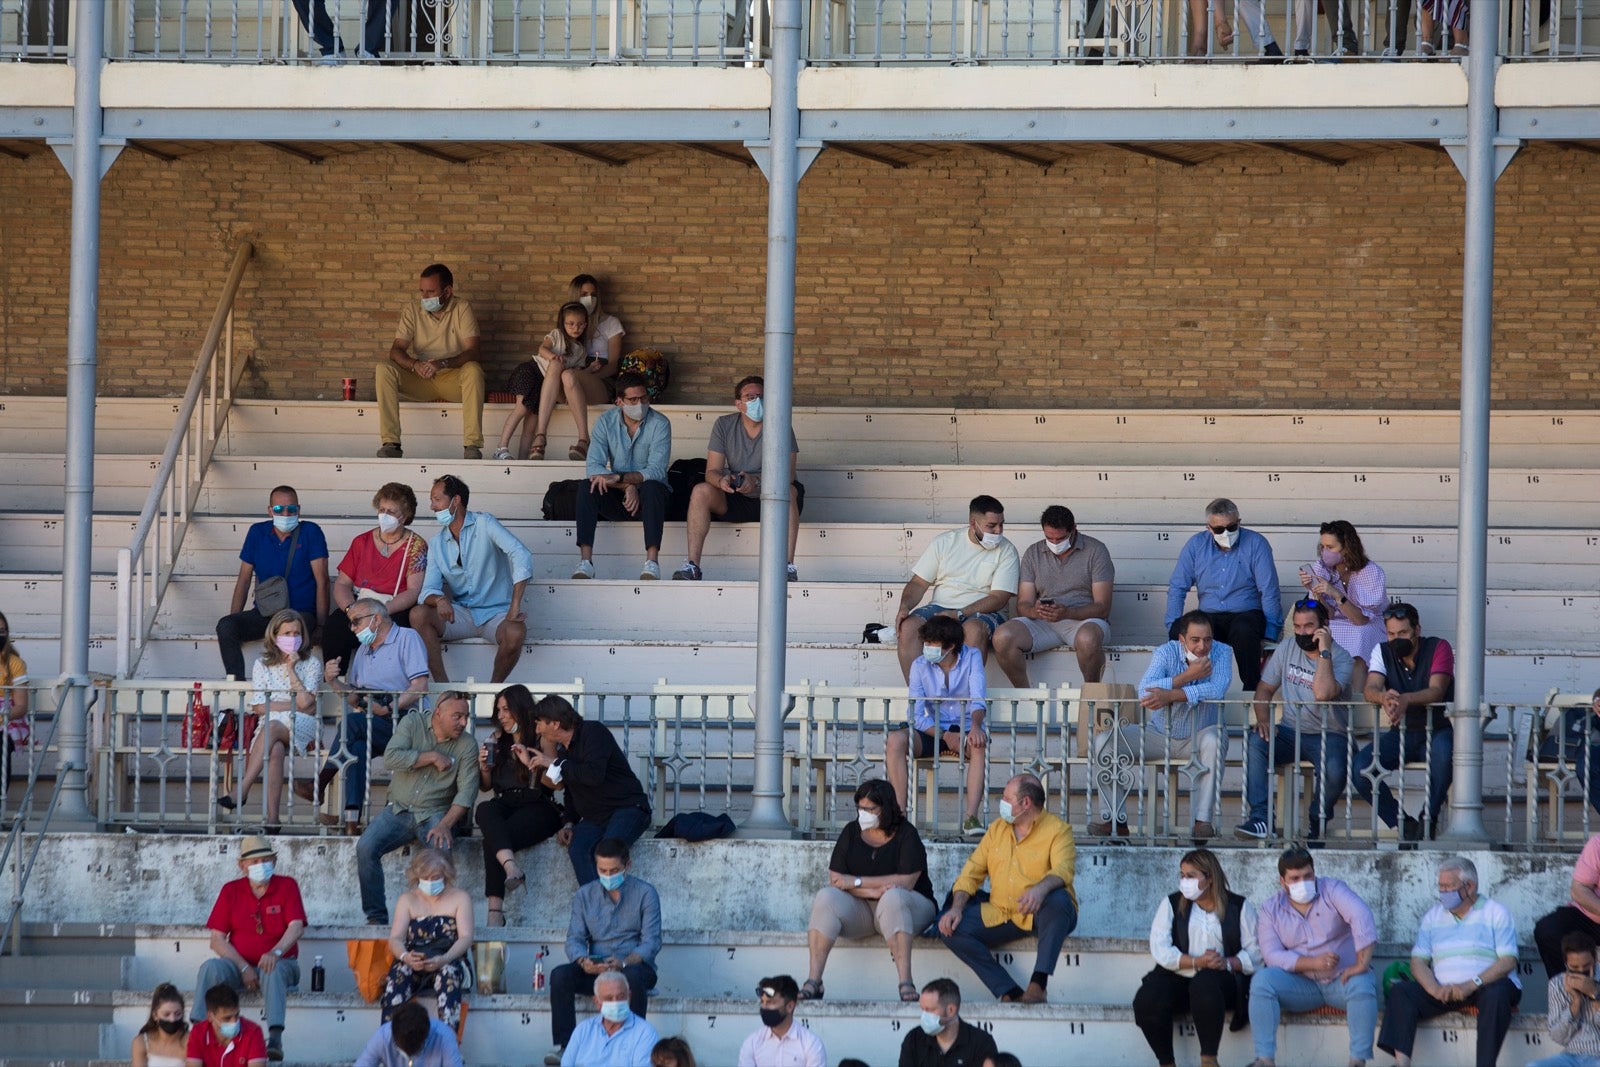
point(837, 32)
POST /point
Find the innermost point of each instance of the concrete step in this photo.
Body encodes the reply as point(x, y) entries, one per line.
point(73, 1034)
point(41, 963)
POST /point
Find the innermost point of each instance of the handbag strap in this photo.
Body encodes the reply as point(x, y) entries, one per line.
point(405, 556)
point(294, 543)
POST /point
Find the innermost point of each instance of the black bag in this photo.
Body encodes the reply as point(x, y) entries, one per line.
point(561, 500)
point(1568, 738)
point(682, 477)
point(272, 594)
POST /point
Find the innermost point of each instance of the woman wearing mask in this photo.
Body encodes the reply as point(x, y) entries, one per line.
point(430, 938)
point(14, 701)
point(877, 880)
point(164, 1038)
point(1350, 586)
point(285, 680)
point(948, 703)
point(587, 385)
point(522, 811)
point(1203, 938)
point(386, 563)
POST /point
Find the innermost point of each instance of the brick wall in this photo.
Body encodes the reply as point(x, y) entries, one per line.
point(1256, 279)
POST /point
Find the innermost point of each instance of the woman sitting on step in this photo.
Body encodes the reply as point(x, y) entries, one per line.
point(430, 938)
point(163, 1040)
point(522, 811)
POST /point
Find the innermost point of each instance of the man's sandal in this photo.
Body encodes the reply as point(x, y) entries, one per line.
point(811, 990)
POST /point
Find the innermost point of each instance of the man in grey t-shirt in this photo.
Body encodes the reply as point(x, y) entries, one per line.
point(1063, 598)
point(1314, 674)
point(732, 489)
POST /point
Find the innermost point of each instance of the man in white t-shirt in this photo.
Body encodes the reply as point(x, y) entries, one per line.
point(973, 573)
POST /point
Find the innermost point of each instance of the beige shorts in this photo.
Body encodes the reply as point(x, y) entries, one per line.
point(464, 626)
point(1048, 635)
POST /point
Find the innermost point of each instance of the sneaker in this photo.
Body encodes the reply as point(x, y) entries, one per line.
point(651, 572)
point(689, 572)
point(553, 1057)
point(471, 452)
point(1459, 50)
point(1426, 49)
point(1411, 829)
point(1107, 829)
point(1255, 830)
point(973, 827)
point(584, 569)
point(390, 451)
point(503, 453)
point(275, 1048)
point(1203, 831)
point(793, 575)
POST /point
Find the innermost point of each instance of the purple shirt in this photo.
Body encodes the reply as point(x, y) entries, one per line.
point(1338, 921)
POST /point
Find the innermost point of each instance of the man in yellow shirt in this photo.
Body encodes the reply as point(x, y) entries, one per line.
point(1027, 855)
point(434, 357)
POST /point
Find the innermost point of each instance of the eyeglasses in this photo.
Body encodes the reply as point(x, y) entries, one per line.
point(286, 509)
point(259, 928)
point(1230, 528)
point(357, 620)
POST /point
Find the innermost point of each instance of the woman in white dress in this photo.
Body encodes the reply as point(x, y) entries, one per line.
point(286, 678)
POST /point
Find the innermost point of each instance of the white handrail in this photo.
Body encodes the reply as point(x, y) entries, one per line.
point(145, 567)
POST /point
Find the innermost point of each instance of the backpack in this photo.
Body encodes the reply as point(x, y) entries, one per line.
point(650, 363)
point(682, 477)
point(561, 500)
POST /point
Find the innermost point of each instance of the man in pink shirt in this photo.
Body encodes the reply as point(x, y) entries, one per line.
point(1582, 913)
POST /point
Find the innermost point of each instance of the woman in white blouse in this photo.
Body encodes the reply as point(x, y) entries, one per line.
point(1351, 586)
point(285, 681)
point(1203, 938)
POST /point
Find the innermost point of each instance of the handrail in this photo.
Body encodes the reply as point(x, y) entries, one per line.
point(145, 567)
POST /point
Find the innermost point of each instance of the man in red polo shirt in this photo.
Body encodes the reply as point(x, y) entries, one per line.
point(255, 925)
point(225, 1040)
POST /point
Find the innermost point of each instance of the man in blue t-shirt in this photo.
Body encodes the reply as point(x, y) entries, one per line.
point(280, 547)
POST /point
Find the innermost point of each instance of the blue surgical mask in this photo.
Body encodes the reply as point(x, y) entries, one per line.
point(285, 523)
point(932, 1022)
point(260, 872)
point(431, 304)
point(612, 882)
point(1450, 898)
point(431, 886)
point(367, 636)
point(445, 517)
point(229, 1030)
point(614, 1011)
point(753, 410)
point(933, 653)
point(1007, 812)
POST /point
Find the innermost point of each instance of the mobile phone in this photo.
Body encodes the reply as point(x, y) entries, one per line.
point(1047, 600)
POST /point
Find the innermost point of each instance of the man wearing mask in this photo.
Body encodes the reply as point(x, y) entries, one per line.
point(434, 357)
point(288, 561)
point(477, 574)
point(942, 1038)
point(1027, 856)
point(615, 930)
point(226, 1040)
point(1236, 581)
point(1465, 955)
point(627, 472)
point(615, 1036)
point(781, 1041)
point(732, 489)
point(1316, 937)
point(973, 575)
point(1411, 679)
point(1063, 598)
point(255, 926)
point(1314, 674)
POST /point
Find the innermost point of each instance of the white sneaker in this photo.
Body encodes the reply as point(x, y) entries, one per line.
point(584, 569)
point(502, 453)
point(651, 572)
point(553, 1057)
point(792, 574)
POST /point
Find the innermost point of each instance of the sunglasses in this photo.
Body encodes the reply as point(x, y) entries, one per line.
point(259, 928)
point(1230, 528)
point(1398, 611)
point(1307, 604)
point(286, 509)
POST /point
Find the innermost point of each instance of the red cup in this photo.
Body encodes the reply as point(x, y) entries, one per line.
point(349, 388)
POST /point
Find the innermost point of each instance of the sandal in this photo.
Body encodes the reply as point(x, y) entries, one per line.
point(908, 992)
point(812, 989)
point(579, 450)
point(536, 451)
point(226, 803)
point(514, 881)
point(492, 913)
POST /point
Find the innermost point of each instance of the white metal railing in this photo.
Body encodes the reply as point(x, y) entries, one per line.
point(145, 567)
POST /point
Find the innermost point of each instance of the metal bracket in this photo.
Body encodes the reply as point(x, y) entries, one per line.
point(806, 153)
point(110, 149)
point(1504, 149)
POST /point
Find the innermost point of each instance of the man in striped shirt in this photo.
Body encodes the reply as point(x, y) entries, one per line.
point(1573, 1018)
point(1465, 956)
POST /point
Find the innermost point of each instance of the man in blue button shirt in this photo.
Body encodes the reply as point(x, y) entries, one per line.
point(1233, 574)
point(616, 1037)
point(627, 472)
point(278, 547)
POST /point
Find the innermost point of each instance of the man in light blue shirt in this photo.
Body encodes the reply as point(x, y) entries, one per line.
point(1178, 693)
point(614, 1038)
point(411, 1039)
point(627, 472)
point(1236, 581)
point(477, 571)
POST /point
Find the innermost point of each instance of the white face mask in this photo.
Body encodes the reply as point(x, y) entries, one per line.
point(991, 540)
point(1190, 888)
point(1058, 547)
point(260, 872)
point(1190, 656)
point(1303, 892)
point(867, 819)
point(588, 301)
point(634, 411)
point(431, 886)
point(1227, 538)
point(932, 1022)
point(1008, 814)
point(388, 523)
point(933, 653)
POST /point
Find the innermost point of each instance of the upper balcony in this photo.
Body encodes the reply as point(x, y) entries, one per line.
point(874, 70)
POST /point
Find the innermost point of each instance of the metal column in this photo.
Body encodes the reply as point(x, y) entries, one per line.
point(82, 331)
point(772, 619)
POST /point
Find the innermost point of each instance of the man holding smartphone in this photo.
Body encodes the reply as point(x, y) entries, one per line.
point(1063, 598)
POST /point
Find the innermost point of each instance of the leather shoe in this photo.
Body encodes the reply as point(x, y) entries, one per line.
point(1034, 994)
point(304, 790)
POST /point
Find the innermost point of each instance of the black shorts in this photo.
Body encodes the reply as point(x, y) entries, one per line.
point(742, 508)
point(923, 745)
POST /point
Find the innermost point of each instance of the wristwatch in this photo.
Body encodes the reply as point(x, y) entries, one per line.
point(1477, 980)
point(858, 883)
point(1326, 653)
point(278, 952)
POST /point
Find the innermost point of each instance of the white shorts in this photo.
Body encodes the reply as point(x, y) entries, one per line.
point(464, 625)
point(1048, 635)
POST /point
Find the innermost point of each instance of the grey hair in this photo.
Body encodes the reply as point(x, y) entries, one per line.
point(375, 605)
point(616, 978)
point(1464, 868)
point(1222, 506)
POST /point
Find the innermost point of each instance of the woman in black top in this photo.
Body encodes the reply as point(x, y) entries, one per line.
point(522, 811)
point(603, 796)
point(877, 880)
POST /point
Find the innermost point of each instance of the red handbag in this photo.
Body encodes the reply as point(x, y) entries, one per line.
point(197, 721)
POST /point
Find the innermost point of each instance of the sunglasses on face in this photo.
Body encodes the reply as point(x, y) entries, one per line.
point(1230, 528)
point(286, 509)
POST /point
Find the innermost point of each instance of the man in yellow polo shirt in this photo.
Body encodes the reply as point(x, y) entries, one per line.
point(1027, 855)
point(434, 357)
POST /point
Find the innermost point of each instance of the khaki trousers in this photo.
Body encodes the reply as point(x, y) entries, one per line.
point(463, 385)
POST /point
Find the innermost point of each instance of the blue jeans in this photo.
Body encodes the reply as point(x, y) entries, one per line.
point(1274, 990)
point(376, 23)
point(1411, 746)
point(389, 830)
point(356, 742)
point(275, 987)
point(1054, 921)
point(1567, 1059)
point(1331, 774)
point(625, 824)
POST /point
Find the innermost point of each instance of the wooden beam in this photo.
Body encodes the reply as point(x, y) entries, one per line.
point(852, 150)
point(588, 153)
point(720, 153)
point(1012, 153)
point(429, 151)
point(154, 153)
point(1303, 153)
point(293, 150)
point(1153, 153)
point(1429, 146)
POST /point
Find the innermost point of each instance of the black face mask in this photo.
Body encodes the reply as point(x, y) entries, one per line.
point(170, 1026)
point(1306, 641)
point(4, 637)
point(1402, 647)
point(772, 1016)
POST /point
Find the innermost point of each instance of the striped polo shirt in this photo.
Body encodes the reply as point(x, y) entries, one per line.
point(1458, 949)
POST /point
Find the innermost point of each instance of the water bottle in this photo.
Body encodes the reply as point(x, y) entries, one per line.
point(538, 971)
point(319, 976)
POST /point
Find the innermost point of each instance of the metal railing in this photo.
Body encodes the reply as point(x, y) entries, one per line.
point(145, 567)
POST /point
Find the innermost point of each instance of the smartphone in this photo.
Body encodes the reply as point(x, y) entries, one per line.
point(1047, 600)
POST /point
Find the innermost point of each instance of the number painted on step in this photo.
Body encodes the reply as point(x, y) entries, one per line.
point(1450, 1037)
point(636, 591)
point(1533, 1038)
point(1297, 420)
point(1274, 478)
point(1383, 420)
point(1122, 420)
point(1071, 959)
point(1039, 420)
point(894, 1025)
point(82, 996)
point(1163, 535)
point(711, 1022)
point(1538, 661)
point(1019, 476)
point(822, 535)
point(1097, 859)
point(1533, 479)
point(730, 950)
point(338, 468)
point(527, 1018)
point(1567, 601)
point(849, 476)
point(984, 1024)
point(869, 418)
point(1186, 1029)
point(1418, 539)
point(1077, 1028)
point(361, 413)
point(51, 524)
point(338, 1016)
point(1446, 479)
point(1102, 476)
point(1358, 478)
point(1188, 477)
point(1141, 596)
point(422, 470)
point(1557, 420)
point(1208, 420)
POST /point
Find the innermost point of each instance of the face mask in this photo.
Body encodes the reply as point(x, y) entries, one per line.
point(932, 1022)
point(588, 301)
point(1008, 814)
point(1450, 898)
point(1190, 888)
point(1306, 641)
point(1303, 892)
point(1402, 647)
point(170, 1026)
point(1056, 548)
point(388, 523)
point(991, 540)
point(614, 1011)
point(285, 523)
point(933, 653)
point(431, 304)
point(229, 1030)
point(1226, 539)
point(613, 882)
point(1331, 557)
point(367, 636)
point(4, 637)
point(753, 410)
point(260, 872)
point(868, 819)
point(431, 886)
point(1190, 656)
point(635, 412)
point(512, 728)
point(772, 1016)
point(288, 644)
point(444, 518)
